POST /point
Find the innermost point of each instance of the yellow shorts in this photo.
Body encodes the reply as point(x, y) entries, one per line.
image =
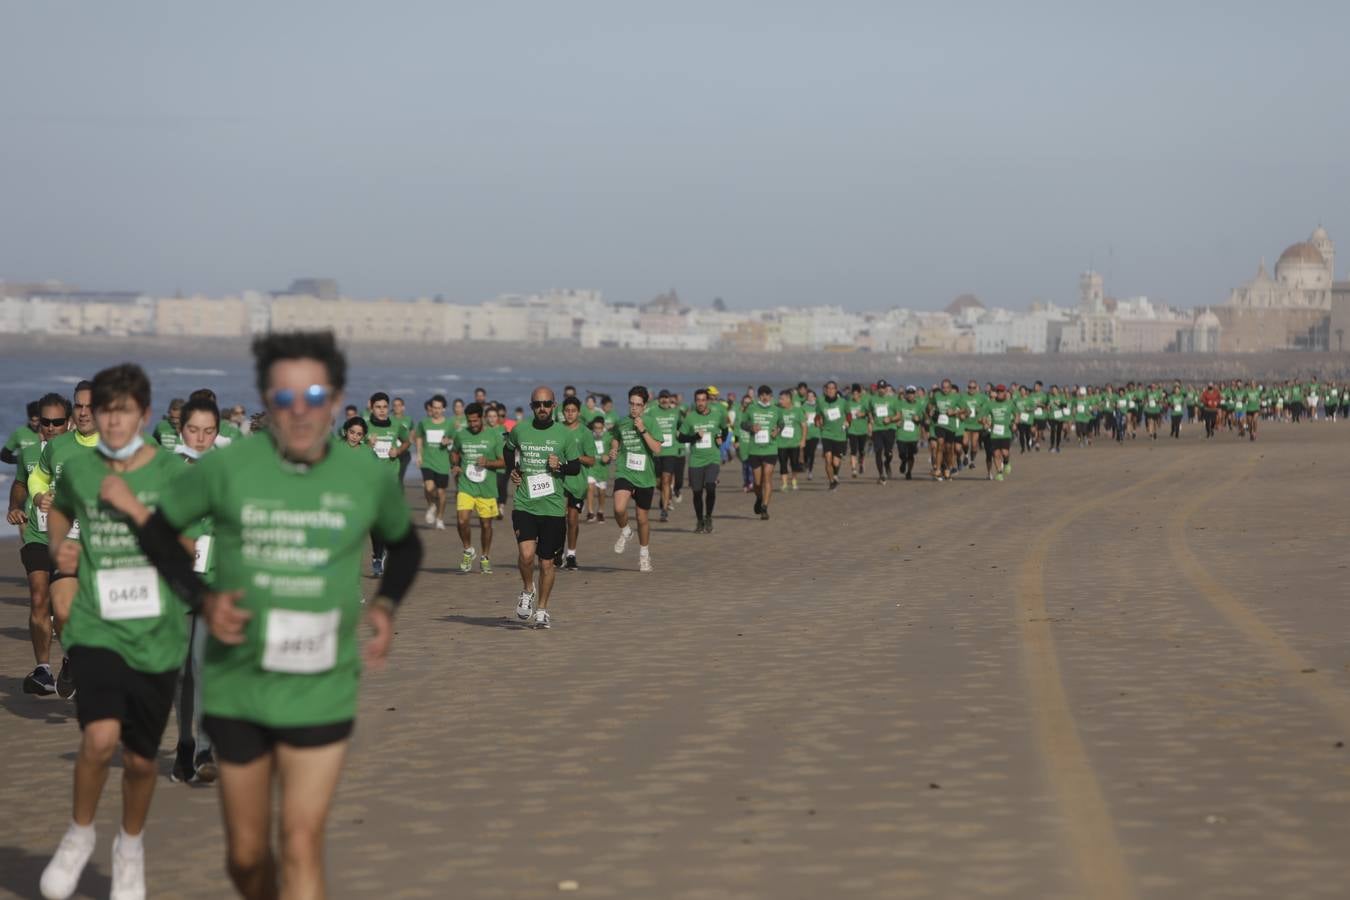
point(486, 507)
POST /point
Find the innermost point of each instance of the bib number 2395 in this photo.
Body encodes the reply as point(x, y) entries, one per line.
point(540, 485)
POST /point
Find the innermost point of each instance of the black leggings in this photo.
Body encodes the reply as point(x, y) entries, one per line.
point(704, 508)
point(1024, 436)
point(809, 454)
point(906, 449)
point(883, 443)
point(1056, 433)
point(857, 445)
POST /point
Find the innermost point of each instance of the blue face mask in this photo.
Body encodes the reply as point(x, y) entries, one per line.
point(127, 452)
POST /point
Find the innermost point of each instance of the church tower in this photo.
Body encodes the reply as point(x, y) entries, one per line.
point(1322, 242)
point(1091, 294)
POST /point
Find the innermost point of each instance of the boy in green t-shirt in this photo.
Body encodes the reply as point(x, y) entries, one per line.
point(432, 437)
point(634, 447)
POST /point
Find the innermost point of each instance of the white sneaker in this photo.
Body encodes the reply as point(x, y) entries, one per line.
point(525, 605)
point(430, 516)
point(541, 619)
point(440, 524)
point(128, 876)
point(622, 542)
point(62, 874)
point(644, 563)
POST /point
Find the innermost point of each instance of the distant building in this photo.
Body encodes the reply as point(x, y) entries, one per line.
point(322, 288)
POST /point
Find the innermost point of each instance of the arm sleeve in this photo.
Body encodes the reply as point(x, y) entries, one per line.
point(159, 541)
point(41, 477)
point(7, 456)
point(509, 453)
point(401, 565)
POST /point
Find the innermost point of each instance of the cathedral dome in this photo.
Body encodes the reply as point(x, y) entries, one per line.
point(1306, 253)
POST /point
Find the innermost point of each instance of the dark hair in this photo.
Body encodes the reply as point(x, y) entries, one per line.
point(83, 386)
point(198, 404)
point(569, 387)
point(703, 391)
point(377, 397)
point(350, 408)
point(319, 346)
point(202, 394)
point(354, 421)
point(473, 409)
point(785, 393)
point(595, 419)
point(176, 403)
point(440, 397)
point(764, 389)
point(52, 399)
point(477, 389)
point(803, 384)
point(126, 381)
point(571, 401)
point(34, 409)
point(638, 390)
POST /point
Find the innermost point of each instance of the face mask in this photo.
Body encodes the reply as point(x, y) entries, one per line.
point(185, 450)
point(125, 453)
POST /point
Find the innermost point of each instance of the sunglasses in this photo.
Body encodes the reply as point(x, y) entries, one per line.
point(541, 404)
point(50, 423)
point(314, 395)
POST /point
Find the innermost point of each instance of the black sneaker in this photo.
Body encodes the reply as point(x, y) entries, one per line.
point(65, 680)
point(184, 772)
point(759, 506)
point(698, 529)
point(377, 567)
point(205, 768)
point(570, 563)
point(40, 681)
point(558, 559)
point(665, 515)
point(707, 524)
point(834, 485)
point(764, 514)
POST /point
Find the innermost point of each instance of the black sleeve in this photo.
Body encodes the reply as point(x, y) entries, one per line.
point(7, 456)
point(687, 437)
point(159, 540)
point(401, 565)
point(722, 436)
point(509, 457)
point(571, 467)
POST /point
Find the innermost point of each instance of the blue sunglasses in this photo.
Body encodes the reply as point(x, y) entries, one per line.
point(314, 395)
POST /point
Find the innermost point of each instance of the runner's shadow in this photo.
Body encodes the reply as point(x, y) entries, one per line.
point(20, 871)
point(486, 622)
point(50, 709)
point(14, 579)
point(14, 631)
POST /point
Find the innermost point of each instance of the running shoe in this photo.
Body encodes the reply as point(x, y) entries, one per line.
point(485, 566)
point(759, 506)
point(665, 516)
point(128, 876)
point(525, 605)
point(590, 517)
point(205, 768)
point(466, 561)
point(430, 517)
point(39, 681)
point(622, 543)
point(541, 619)
point(644, 563)
point(62, 874)
point(65, 680)
point(698, 529)
point(377, 567)
point(998, 477)
point(599, 517)
point(440, 524)
point(1007, 467)
point(183, 770)
point(570, 562)
point(764, 514)
point(834, 485)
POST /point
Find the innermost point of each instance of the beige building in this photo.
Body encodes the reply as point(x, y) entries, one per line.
point(202, 317)
point(365, 321)
point(1303, 278)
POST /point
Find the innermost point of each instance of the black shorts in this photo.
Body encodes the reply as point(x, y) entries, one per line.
point(36, 558)
point(1000, 444)
point(857, 444)
point(442, 479)
point(1152, 417)
point(667, 465)
point(107, 688)
point(240, 742)
point(946, 434)
point(548, 532)
point(762, 459)
point(701, 477)
point(833, 447)
point(577, 503)
point(641, 496)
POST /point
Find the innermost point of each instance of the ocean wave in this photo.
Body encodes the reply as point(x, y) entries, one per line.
point(452, 377)
point(68, 379)
point(176, 370)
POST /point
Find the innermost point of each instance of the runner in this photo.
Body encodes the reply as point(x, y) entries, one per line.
point(909, 412)
point(126, 631)
point(1209, 408)
point(476, 454)
point(539, 454)
point(26, 435)
point(399, 416)
point(390, 440)
point(43, 483)
point(634, 446)
point(597, 474)
point(53, 419)
point(760, 427)
point(575, 485)
point(703, 430)
point(166, 429)
point(808, 454)
point(832, 420)
point(883, 419)
point(1176, 404)
point(859, 430)
point(432, 436)
point(1059, 405)
point(999, 416)
point(353, 433)
point(665, 421)
point(291, 512)
point(945, 411)
point(976, 411)
point(791, 440)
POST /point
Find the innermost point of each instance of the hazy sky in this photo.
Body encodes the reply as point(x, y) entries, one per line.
point(868, 154)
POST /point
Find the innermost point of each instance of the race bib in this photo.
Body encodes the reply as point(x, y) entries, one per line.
point(475, 473)
point(301, 643)
point(128, 593)
point(998, 431)
point(832, 413)
point(41, 520)
point(1082, 407)
point(668, 441)
point(1059, 414)
point(788, 431)
point(540, 485)
point(74, 533)
point(1121, 403)
point(1176, 407)
point(761, 437)
point(704, 440)
point(201, 551)
point(943, 419)
point(1023, 417)
point(435, 436)
point(599, 448)
point(382, 448)
point(909, 425)
point(1040, 410)
point(635, 462)
point(883, 411)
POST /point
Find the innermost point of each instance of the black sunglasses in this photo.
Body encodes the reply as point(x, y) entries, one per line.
point(50, 423)
point(540, 404)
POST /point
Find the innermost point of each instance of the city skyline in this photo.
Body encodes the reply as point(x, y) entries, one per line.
point(871, 156)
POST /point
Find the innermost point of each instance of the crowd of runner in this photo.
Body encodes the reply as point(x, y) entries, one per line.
point(184, 564)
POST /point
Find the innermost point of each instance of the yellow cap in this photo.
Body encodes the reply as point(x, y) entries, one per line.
point(713, 391)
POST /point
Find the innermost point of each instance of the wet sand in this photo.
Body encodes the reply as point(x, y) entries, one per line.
point(1124, 672)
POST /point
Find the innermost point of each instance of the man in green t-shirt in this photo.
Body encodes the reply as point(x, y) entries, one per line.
point(475, 458)
point(665, 417)
point(946, 410)
point(166, 429)
point(126, 634)
point(976, 404)
point(25, 435)
point(703, 430)
point(832, 419)
point(432, 437)
point(575, 485)
point(540, 454)
point(882, 418)
point(908, 417)
point(859, 429)
point(53, 419)
point(1000, 415)
point(759, 425)
point(634, 446)
point(291, 509)
point(391, 440)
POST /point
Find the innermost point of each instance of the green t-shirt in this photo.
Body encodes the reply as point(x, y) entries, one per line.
point(1040, 403)
point(833, 414)
point(664, 423)
point(857, 414)
point(228, 433)
point(705, 451)
point(634, 460)
point(1082, 408)
point(435, 445)
point(35, 532)
point(293, 539)
point(768, 419)
point(946, 407)
point(540, 491)
point(57, 454)
point(977, 407)
point(911, 417)
point(791, 428)
point(387, 438)
point(21, 438)
point(595, 446)
point(476, 481)
point(584, 446)
point(121, 604)
point(165, 434)
point(1002, 416)
point(882, 407)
